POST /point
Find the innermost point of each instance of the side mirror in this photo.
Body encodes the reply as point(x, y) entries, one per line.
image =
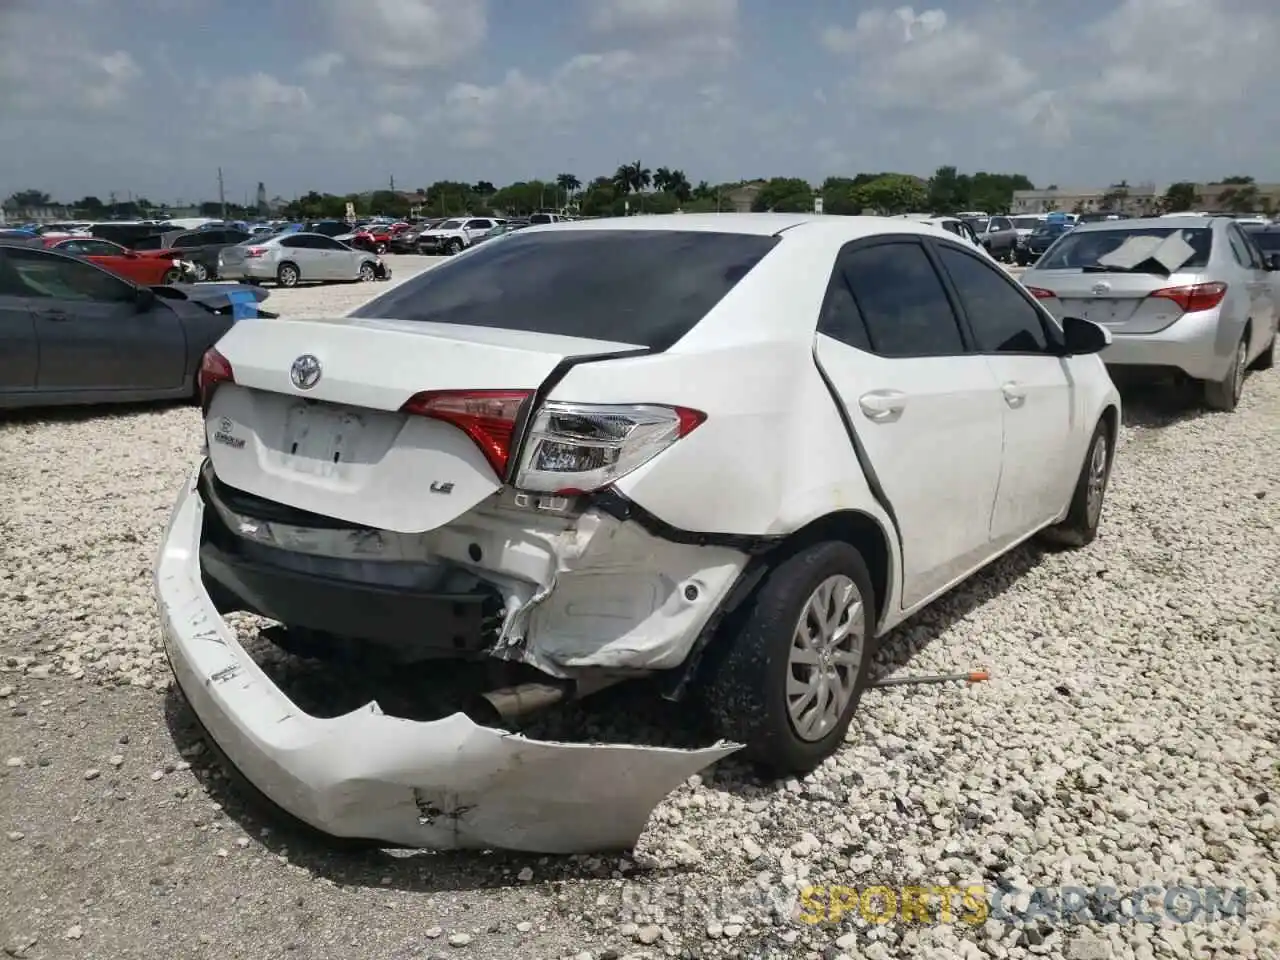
point(1272, 261)
point(1081, 337)
point(145, 299)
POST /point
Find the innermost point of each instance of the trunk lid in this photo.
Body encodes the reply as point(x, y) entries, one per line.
point(1120, 301)
point(343, 448)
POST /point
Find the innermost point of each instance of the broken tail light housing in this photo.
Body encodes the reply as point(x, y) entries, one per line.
point(1198, 296)
point(254, 252)
point(575, 448)
point(488, 417)
point(214, 369)
point(1040, 293)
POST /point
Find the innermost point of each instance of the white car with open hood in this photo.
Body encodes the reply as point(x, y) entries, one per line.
point(723, 451)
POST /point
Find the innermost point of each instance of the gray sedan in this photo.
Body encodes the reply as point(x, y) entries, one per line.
point(1192, 296)
point(292, 258)
point(70, 332)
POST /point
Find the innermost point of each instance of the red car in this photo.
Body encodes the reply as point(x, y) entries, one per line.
point(147, 268)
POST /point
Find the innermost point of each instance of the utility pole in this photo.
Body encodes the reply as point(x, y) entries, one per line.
point(222, 196)
point(393, 183)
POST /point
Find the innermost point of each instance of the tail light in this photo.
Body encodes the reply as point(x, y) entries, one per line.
point(1040, 293)
point(255, 252)
point(576, 448)
point(488, 417)
point(1199, 296)
point(214, 369)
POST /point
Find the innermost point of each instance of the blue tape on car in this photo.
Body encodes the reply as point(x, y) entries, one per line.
point(244, 305)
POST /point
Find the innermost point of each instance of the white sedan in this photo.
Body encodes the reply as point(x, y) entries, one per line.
point(724, 451)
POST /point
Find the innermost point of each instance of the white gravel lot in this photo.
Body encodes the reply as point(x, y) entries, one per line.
point(1128, 738)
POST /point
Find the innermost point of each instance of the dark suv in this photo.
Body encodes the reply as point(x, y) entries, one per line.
point(201, 247)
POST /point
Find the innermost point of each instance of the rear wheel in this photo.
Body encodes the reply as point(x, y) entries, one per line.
point(794, 662)
point(200, 272)
point(1224, 394)
point(171, 276)
point(287, 275)
point(1081, 524)
point(454, 246)
point(367, 272)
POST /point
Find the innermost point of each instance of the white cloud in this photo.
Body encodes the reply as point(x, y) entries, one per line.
point(925, 61)
point(406, 35)
point(322, 64)
point(662, 17)
point(258, 100)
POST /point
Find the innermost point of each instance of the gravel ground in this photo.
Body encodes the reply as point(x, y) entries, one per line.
point(1127, 737)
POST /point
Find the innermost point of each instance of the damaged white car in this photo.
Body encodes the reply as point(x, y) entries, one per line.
point(722, 452)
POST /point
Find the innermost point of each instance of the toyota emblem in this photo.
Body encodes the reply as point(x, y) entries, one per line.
point(305, 372)
point(1101, 287)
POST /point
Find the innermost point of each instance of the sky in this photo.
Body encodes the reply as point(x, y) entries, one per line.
point(150, 97)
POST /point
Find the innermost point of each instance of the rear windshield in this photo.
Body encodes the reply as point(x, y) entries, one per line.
point(1026, 223)
point(1080, 249)
point(1267, 240)
point(647, 287)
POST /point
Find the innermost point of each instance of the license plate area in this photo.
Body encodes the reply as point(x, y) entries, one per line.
point(321, 439)
point(1098, 311)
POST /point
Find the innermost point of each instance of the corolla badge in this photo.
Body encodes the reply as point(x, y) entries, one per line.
point(305, 372)
point(1101, 287)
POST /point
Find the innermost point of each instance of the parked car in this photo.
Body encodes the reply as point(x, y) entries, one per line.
point(996, 234)
point(406, 241)
point(329, 228)
point(958, 227)
point(293, 258)
point(133, 236)
point(1267, 239)
point(501, 230)
point(549, 451)
point(1023, 227)
point(71, 332)
point(1041, 239)
point(1191, 296)
point(146, 267)
point(540, 218)
point(201, 247)
point(454, 236)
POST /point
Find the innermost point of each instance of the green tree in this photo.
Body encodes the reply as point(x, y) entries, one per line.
point(1180, 196)
point(90, 206)
point(568, 183)
point(632, 177)
point(892, 193)
point(1245, 198)
point(1238, 179)
point(482, 188)
point(28, 198)
point(949, 191)
point(837, 196)
point(784, 195)
point(445, 197)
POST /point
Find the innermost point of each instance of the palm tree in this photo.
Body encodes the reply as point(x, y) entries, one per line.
point(678, 184)
point(569, 184)
point(662, 179)
point(632, 177)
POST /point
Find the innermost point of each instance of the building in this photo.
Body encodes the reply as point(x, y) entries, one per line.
point(1144, 199)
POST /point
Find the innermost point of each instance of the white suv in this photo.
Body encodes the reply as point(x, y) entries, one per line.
point(724, 451)
point(454, 236)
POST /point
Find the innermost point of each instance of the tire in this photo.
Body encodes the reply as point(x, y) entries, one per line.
point(453, 247)
point(1083, 516)
point(171, 276)
point(199, 271)
point(367, 272)
point(1267, 359)
point(747, 674)
point(288, 275)
point(1224, 394)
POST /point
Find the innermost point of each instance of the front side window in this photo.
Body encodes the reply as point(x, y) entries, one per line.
point(1002, 319)
point(647, 287)
point(49, 276)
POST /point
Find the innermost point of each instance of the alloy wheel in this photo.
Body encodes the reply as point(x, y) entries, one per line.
point(825, 654)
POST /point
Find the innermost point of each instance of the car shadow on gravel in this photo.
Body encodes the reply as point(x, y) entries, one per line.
point(1159, 404)
point(79, 413)
point(630, 713)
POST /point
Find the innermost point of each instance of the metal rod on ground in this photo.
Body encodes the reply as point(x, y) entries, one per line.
point(973, 676)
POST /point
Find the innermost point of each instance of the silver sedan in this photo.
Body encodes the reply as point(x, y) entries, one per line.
point(1193, 296)
point(293, 258)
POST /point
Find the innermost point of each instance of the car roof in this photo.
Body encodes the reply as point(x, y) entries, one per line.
point(751, 224)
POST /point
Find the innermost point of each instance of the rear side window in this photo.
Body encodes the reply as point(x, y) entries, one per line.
point(902, 300)
point(1081, 250)
point(188, 240)
point(647, 287)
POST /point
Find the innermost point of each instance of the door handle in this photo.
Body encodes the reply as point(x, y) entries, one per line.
point(1014, 395)
point(883, 406)
point(57, 315)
